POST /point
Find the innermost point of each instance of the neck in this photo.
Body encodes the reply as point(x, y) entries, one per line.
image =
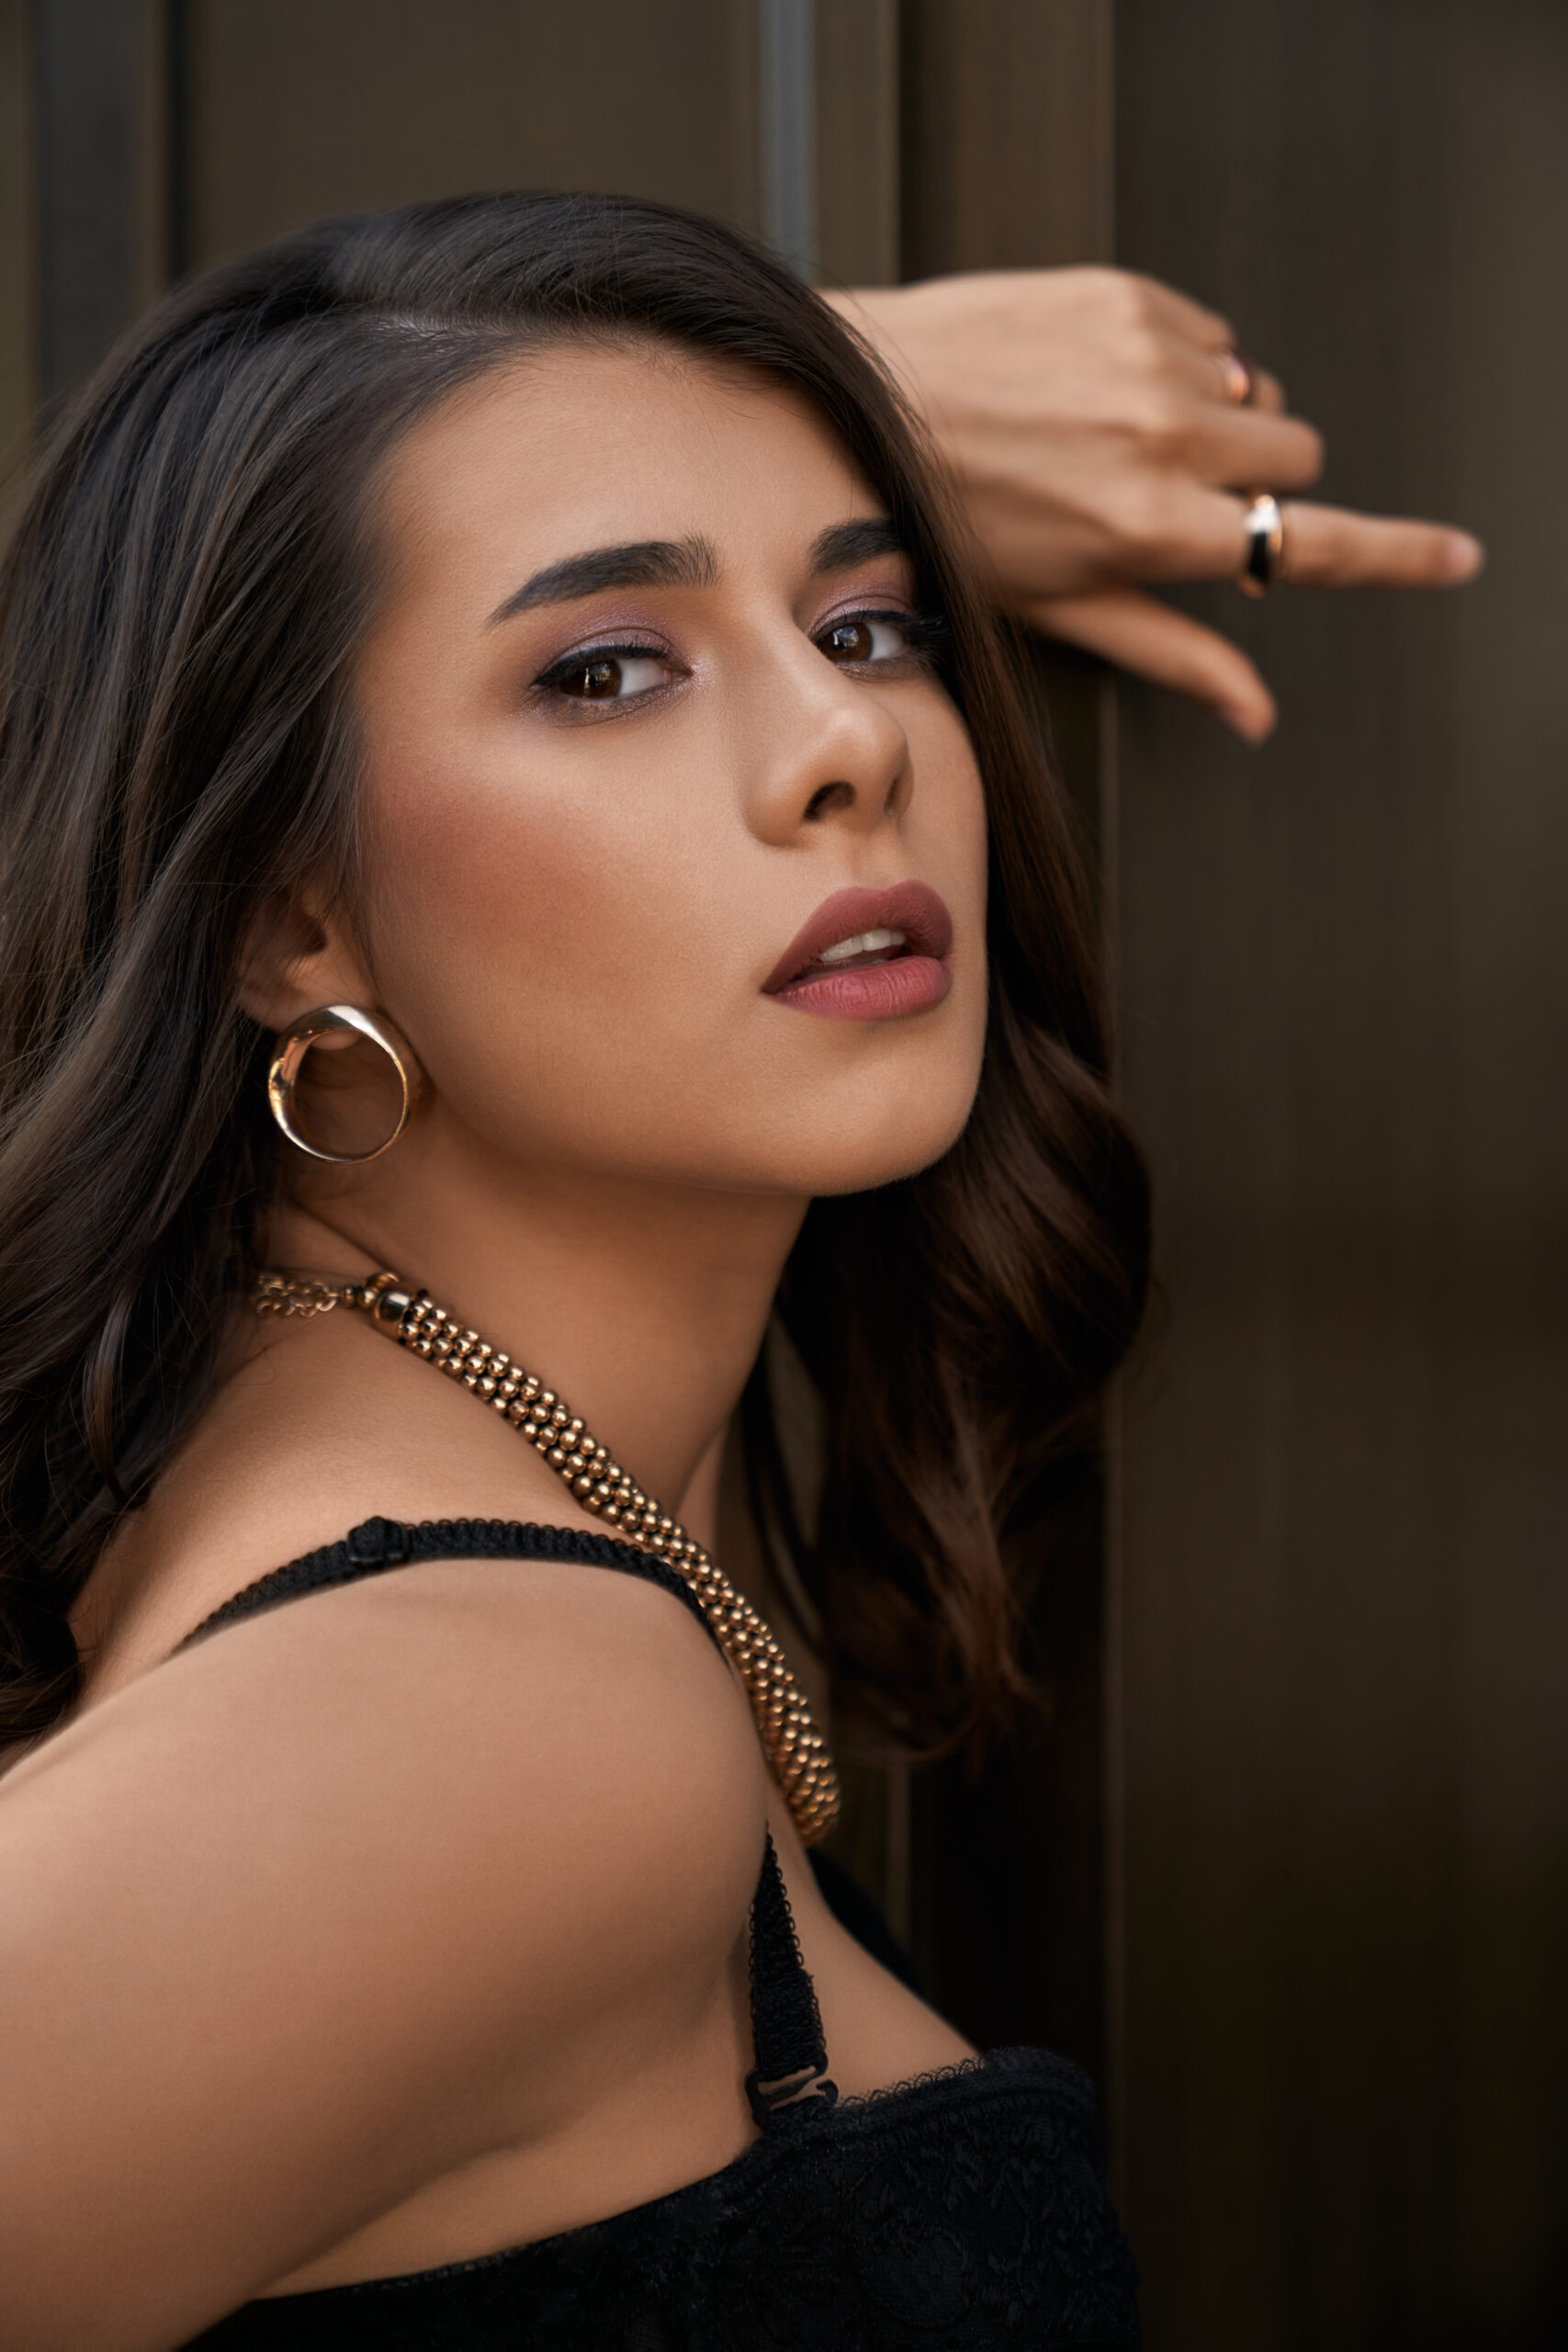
point(642, 1305)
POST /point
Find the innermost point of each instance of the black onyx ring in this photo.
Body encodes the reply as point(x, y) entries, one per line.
point(1265, 528)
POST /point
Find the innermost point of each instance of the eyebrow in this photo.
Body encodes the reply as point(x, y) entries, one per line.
point(858, 542)
point(642, 563)
point(680, 564)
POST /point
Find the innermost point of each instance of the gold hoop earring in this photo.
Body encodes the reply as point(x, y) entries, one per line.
point(295, 1042)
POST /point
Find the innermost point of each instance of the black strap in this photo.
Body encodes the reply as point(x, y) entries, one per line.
point(791, 2072)
point(790, 2076)
point(380, 1543)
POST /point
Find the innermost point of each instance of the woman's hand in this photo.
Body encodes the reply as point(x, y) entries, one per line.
point(1088, 417)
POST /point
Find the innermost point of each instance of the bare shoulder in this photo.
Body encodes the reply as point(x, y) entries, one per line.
point(536, 1694)
point(321, 1429)
point(347, 1891)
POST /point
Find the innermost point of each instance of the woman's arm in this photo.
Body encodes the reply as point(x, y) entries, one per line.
point(336, 1902)
point(1084, 413)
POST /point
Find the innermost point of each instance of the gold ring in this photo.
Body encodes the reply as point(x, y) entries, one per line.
point(1264, 560)
point(1241, 383)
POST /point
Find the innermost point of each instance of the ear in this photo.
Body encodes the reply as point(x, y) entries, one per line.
point(301, 954)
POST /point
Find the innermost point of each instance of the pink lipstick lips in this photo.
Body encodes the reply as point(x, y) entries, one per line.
point(868, 955)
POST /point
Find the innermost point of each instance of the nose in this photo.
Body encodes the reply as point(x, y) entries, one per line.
point(830, 751)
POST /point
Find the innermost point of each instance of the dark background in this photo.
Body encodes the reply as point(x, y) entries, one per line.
point(1285, 1863)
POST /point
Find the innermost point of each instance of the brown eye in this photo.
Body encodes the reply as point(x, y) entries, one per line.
point(608, 675)
point(869, 636)
point(849, 641)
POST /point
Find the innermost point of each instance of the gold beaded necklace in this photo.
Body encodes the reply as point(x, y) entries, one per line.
point(794, 1747)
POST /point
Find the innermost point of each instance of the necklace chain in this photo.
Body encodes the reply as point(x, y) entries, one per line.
point(794, 1747)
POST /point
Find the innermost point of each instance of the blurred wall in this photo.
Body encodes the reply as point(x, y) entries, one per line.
point(1284, 1862)
point(1345, 1569)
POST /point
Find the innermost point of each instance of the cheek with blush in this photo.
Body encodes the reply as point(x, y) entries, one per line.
point(574, 973)
point(584, 979)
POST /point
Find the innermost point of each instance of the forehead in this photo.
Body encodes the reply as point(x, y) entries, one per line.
point(578, 445)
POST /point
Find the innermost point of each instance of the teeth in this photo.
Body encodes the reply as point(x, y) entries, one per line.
point(864, 943)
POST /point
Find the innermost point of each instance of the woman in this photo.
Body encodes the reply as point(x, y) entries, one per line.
point(516, 823)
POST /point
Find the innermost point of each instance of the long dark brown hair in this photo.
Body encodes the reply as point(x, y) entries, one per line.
point(179, 612)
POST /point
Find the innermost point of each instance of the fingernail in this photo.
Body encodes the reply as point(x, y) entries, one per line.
point(1462, 557)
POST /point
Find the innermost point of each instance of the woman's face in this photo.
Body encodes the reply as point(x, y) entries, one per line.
point(644, 695)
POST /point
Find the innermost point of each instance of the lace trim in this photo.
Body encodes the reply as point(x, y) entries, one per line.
point(690, 2193)
point(960, 2069)
point(983, 2215)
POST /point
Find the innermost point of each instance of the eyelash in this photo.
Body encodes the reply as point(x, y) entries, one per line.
point(923, 630)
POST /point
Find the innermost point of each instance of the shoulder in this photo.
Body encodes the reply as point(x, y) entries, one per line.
point(426, 1707)
point(334, 1897)
point(316, 1912)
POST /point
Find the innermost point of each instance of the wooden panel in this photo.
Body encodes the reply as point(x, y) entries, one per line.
point(18, 282)
point(1006, 163)
point(306, 107)
point(98, 190)
point(857, 141)
point(1008, 111)
point(1346, 1707)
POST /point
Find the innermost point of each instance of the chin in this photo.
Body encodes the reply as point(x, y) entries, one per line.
point(823, 1165)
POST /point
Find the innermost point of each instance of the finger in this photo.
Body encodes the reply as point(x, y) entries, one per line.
point(1199, 368)
point(1241, 448)
point(1206, 371)
point(1206, 333)
point(1186, 532)
point(1328, 547)
point(1197, 534)
point(1140, 634)
point(1268, 392)
point(1265, 394)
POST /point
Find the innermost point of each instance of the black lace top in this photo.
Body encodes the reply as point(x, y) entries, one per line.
point(962, 2211)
